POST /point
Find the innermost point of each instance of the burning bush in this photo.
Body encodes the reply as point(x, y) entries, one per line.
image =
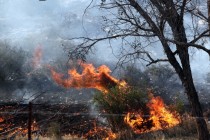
point(133, 108)
point(118, 102)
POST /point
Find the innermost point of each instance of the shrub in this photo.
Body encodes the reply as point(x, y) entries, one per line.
point(116, 103)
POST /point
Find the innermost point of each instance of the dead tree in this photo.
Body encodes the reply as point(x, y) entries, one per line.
point(143, 25)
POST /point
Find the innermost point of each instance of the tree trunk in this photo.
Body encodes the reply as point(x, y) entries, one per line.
point(202, 129)
point(187, 81)
point(185, 75)
point(179, 34)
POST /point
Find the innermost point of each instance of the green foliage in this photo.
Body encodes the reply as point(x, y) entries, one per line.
point(118, 102)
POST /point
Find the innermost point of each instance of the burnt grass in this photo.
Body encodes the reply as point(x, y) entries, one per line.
point(70, 119)
point(73, 119)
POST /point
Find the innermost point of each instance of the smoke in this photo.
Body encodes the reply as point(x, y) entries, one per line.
point(27, 24)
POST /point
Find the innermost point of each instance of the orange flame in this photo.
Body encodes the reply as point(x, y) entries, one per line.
point(90, 77)
point(37, 57)
point(104, 132)
point(1, 119)
point(159, 118)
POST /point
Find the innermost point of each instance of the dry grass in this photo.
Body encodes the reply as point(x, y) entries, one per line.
point(185, 131)
point(67, 137)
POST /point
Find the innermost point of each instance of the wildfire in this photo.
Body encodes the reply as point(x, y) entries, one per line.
point(90, 77)
point(159, 118)
point(37, 57)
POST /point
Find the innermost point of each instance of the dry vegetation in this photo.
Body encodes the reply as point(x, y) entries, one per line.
point(185, 131)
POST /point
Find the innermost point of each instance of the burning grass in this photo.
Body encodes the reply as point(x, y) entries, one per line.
point(80, 127)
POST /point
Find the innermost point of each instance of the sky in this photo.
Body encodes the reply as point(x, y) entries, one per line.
point(21, 20)
point(28, 23)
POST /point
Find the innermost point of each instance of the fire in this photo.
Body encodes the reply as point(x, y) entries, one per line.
point(100, 132)
point(107, 134)
point(1, 119)
point(90, 77)
point(37, 57)
point(159, 115)
point(159, 118)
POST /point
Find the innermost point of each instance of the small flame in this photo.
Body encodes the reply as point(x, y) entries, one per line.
point(90, 77)
point(159, 118)
point(37, 57)
point(105, 133)
point(1, 119)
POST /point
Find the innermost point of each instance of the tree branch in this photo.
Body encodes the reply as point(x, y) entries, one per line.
point(183, 8)
point(189, 45)
point(200, 36)
point(156, 61)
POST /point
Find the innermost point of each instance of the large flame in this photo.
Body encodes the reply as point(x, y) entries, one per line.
point(159, 118)
point(90, 77)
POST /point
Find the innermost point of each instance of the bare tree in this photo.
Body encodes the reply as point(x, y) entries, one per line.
point(143, 25)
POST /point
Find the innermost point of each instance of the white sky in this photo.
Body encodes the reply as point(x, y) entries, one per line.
point(30, 22)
